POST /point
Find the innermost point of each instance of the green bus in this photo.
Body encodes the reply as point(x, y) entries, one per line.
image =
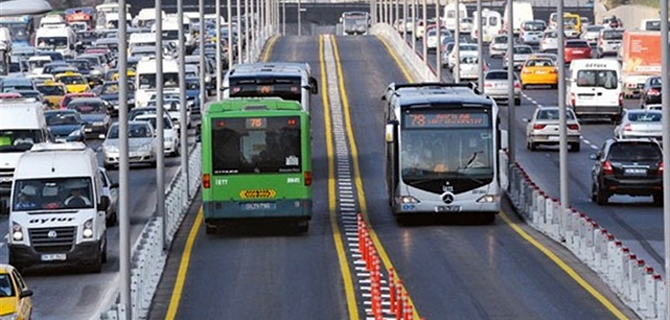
point(256, 162)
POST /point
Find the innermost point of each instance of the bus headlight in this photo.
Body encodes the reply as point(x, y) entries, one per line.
point(88, 229)
point(408, 199)
point(17, 232)
point(489, 198)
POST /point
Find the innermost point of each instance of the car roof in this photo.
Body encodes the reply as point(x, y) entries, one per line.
point(86, 100)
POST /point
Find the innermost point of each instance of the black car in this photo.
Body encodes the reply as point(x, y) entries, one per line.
point(651, 92)
point(629, 167)
point(94, 112)
point(66, 125)
point(109, 91)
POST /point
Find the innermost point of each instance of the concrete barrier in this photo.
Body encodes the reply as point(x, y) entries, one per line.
point(417, 68)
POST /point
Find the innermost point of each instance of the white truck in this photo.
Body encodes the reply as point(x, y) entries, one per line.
point(58, 208)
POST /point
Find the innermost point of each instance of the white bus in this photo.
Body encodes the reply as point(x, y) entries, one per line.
point(145, 79)
point(449, 18)
point(443, 143)
point(491, 25)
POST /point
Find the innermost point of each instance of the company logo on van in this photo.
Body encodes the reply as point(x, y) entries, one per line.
point(48, 220)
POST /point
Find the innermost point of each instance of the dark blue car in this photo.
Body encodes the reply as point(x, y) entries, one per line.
point(66, 125)
point(193, 94)
point(109, 91)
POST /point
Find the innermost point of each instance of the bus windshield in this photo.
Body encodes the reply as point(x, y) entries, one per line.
point(288, 88)
point(256, 145)
point(456, 146)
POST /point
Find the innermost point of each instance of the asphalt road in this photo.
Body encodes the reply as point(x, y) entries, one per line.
point(634, 220)
point(450, 270)
point(69, 293)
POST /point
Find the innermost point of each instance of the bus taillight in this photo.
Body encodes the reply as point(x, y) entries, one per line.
point(206, 181)
point(308, 178)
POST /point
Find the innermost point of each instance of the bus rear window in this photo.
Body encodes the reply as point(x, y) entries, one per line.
point(256, 145)
point(287, 88)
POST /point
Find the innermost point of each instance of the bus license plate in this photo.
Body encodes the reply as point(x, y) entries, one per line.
point(54, 257)
point(259, 206)
point(448, 208)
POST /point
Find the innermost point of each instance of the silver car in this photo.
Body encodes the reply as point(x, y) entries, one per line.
point(498, 46)
point(609, 41)
point(495, 86)
point(142, 144)
point(111, 190)
point(549, 41)
point(542, 128)
point(640, 123)
point(591, 34)
point(521, 54)
point(170, 133)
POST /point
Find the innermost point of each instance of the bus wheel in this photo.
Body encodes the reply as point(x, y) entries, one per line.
point(210, 229)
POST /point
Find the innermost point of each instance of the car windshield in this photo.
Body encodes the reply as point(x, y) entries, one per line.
point(58, 42)
point(523, 50)
point(635, 152)
point(613, 35)
point(539, 63)
point(167, 123)
point(61, 119)
point(497, 75)
point(52, 194)
point(87, 107)
point(18, 140)
point(109, 89)
point(74, 79)
point(135, 130)
point(553, 114)
point(644, 116)
point(594, 28)
point(51, 90)
point(577, 44)
point(535, 26)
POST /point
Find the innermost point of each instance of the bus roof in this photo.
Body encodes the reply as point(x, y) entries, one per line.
point(271, 67)
point(253, 104)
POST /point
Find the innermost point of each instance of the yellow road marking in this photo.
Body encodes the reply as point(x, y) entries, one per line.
point(183, 268)
point(268, 49)
point(357, 170)
point(565, 267)
point(404, 71)
point(337, 236)
point(186, 255)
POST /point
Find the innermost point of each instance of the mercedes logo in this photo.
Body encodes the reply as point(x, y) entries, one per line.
point(52, 234)
point(448, 198)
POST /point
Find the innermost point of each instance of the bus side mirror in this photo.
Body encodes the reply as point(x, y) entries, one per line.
point(390, 131)
point(314, 85)
point(504, 136)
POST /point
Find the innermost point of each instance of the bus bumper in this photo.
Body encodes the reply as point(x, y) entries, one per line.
point(299, 209)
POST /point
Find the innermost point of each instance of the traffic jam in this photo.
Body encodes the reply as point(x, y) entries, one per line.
point(608, 68)
point(59, 100)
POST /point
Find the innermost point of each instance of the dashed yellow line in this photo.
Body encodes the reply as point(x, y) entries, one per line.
point(360, 192)
point(337, 235)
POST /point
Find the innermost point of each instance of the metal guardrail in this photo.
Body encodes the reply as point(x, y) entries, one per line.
point(148, 257)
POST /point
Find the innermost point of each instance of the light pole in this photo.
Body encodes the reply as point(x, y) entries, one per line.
point(218, 53)
point(424, 17)
point(283, 17)
point(124, 183)
point(247, 42)
point(665, 101)
point(438, 50)
point(238, 17)
point(480, 45)
point(562, 117)
point(299, 18)
point(183, 134)
point(160, 155)
point(413, 25)
point(457, 46)
point(511, 114)
point(405, 18)
point(229, 21)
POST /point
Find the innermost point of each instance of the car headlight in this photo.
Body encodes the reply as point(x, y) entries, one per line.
point(87, 233)
point(17, 232)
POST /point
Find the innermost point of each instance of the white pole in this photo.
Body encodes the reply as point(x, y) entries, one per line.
point(457, 46)
point(510, 80)
point(229, 21)
point(160, 156)
point(183, 134)
point(438, 50)
point(238, 13)
point(562, 116)
point(480, 45)
point(219, 67)
point(665, 100)
point(424, 16)
point(124, 181)
point(247, 31)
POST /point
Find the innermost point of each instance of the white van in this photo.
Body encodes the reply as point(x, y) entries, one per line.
point(146, 17)
point(171, 31)
point(58, 208)
point(523, 11)
point(449, 17)
point(21, 125)
point(145, 79)
point(61, 40)
point(112, 20)
point(491, 25)
point(594, 88)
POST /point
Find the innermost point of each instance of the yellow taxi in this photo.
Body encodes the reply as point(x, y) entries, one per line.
point(53, 92)
point(130, 73)
point(74, 82)
point(539, 71)
point(15, 297)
